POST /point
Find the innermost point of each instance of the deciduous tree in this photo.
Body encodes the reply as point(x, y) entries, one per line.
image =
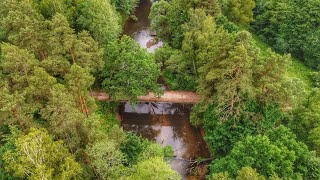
point(130, 71)
point(37, 156)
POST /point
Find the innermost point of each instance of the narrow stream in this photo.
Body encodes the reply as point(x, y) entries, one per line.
point(140, 30)
point(165, 123)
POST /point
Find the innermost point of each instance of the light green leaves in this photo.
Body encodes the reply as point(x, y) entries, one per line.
point(37, 156)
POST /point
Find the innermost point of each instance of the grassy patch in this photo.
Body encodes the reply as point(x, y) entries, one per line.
point(297, 68)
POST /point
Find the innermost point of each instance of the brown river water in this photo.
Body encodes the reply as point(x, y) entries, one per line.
point(164, 123)
point(167, 124)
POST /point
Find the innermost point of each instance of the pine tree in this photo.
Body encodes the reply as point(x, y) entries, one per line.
point(227, 77)
point(24, 26)
point(17, 65)
point(240, 11)
point(87, 53)
point(64, 116)
point(100, 18)
point(269, 77)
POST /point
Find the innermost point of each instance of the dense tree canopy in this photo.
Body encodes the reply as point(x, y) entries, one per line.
point(101, 19)
point(46, 69)
point(290, 26)
point(37, 156)
point(125, 6)
point(240, 11)
point(276, 153)
point(130, 71)
point(53, 53)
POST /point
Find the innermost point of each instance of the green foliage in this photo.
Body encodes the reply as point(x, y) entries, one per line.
point(270, 80)
point(240, 11)
point(252, 152)
point(182, 68)
point(61, 38)
point(17, 64)
point(313, 168)
point(133, 147)
point(101, 19)
point(234, 77)
point(46, 71)
point(153, 168)
point(249, 173)
point(48, 8)
point(106, 159)
point(297, 33)
point(126, 7)
point(87, 53)
point(219, 176)
point(223, 135)
point(23, 26)
point(315, 77)
point(34, 88)
point(175, 72)
point(227, 76)
point(311, 48)
point(223, 21)
point(276, 152)
point(37, 156)
point(130, 71)
point(211, 7)
point(7, 143)
point(167, 18)
point(168, 152)
point(306, 121)
point(296, 69)
point(64, 117)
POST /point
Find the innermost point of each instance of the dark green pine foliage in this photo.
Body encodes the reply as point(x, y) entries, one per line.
point(240, 11)
point(100, 18)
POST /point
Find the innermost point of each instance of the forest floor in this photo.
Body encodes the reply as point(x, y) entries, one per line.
point(185, 97)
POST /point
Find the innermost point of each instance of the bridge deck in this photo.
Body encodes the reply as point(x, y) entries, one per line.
point(185, 97)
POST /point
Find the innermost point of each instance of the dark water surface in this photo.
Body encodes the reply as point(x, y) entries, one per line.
point(140, 30)
point(167, 124)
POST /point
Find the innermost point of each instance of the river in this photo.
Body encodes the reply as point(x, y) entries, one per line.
point(164, 123)
point(140, 30)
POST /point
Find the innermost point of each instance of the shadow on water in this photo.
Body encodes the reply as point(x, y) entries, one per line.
point(167, 124)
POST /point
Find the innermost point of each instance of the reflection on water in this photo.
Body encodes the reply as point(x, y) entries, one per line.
point(167, 124)
point(157, 108)
point(140, 30)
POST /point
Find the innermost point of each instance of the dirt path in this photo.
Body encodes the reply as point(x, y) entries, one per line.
point(186, 97)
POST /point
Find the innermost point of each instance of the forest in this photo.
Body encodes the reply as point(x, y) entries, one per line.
point(255, 65)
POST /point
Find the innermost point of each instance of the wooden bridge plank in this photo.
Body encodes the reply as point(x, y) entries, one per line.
point(185, 97)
